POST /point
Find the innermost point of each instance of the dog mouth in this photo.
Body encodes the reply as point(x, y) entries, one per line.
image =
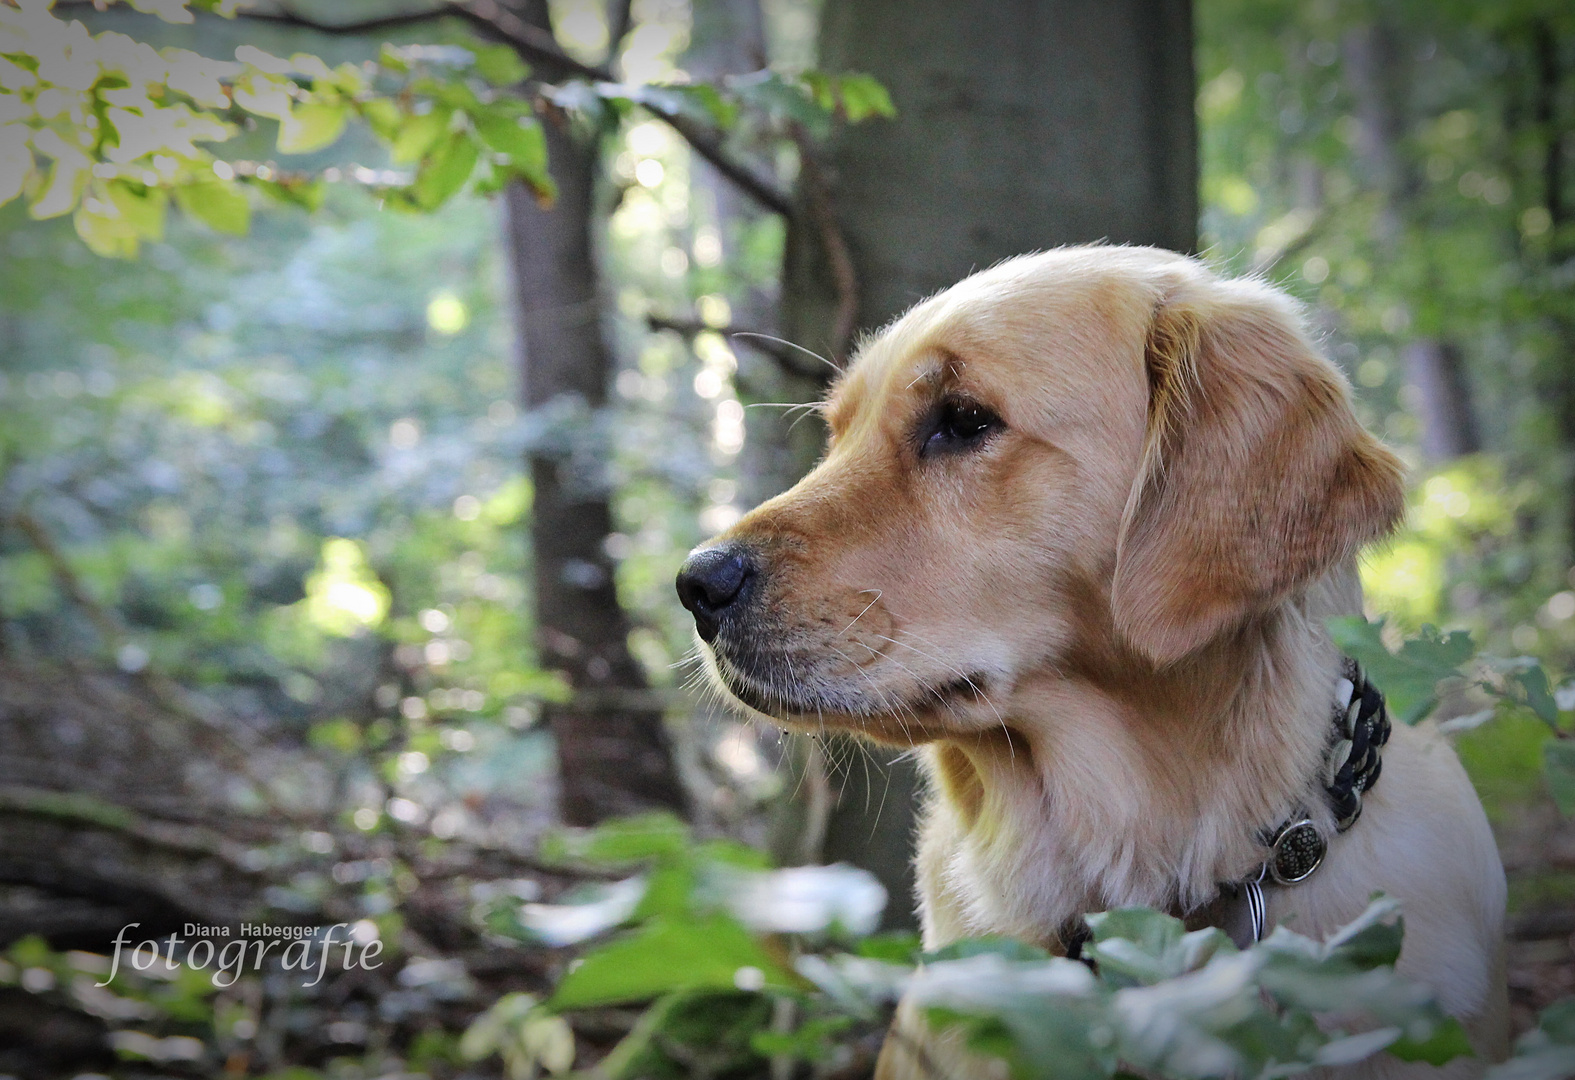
point(769, 686)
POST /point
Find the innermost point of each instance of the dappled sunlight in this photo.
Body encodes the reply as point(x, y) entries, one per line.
point(345, 597)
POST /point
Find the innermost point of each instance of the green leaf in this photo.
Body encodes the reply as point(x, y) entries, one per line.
point(1558, 1021)
point(264, 95)
point(792, 100)
point(453, 93)
point(822, 89)
point(668, 892)
point(63, 186)
point(296, 191)
point(812, 1042)
point(894, 948)
point(1558, 757)
point(16, 161)
point(1409, 678)
point(1006, 948)
point(142, 209)
point(1139, 946)
point(702, 101)
point(383, 117)
point(219, 205)
point(520, 138)
point(667, 955)
point(500, 65)
point(1373, 938)
point(115, 223)
point(623, 840)
point(393, 58)
point(312, 126)
point(348, 79)
point(418, 134)
point(1447, 1042)
point(1526, 683)
point(1045, 1018)
point(732, 853)
point(863, 96)
point(446, 169)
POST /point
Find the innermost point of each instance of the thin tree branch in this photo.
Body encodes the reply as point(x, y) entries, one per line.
point(86, 810)
point(531, 42)
point(707, 142)
point(785, 356)
point(843, 274)
point(400, 21)
point(108, 627)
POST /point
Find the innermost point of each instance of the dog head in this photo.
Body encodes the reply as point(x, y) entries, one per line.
point(1094, 442)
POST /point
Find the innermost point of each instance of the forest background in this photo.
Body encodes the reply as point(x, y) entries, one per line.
point(327, 595)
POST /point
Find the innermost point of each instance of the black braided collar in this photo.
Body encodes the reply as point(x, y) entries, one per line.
point(1359, 728)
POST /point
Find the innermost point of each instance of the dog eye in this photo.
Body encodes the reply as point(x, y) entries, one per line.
point(959, 424)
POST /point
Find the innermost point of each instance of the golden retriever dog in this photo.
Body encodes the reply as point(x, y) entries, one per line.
point(1074, 536)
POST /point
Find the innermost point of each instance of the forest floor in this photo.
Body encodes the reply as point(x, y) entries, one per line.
point(1539, 856)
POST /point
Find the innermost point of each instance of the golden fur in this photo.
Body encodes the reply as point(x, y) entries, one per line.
point(1102, 626)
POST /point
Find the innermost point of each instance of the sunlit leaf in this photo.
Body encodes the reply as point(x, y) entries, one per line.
point(16, 161)
point(863, 96)
point(383, 117)
point(171, 11)
point(221, 206)
point(67, 177)
point(312, 126)
point(418, 134)
point(500, 65)
point(264, 95)
point(141, 208)
point(520, 138)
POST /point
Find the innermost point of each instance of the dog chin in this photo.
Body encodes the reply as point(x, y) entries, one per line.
point(921, 714)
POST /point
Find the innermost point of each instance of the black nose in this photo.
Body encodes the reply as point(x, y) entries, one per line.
point(710, 580)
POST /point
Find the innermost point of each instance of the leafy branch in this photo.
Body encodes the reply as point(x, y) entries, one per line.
point(1410, 678)
point(124, 127)
point(705, 926)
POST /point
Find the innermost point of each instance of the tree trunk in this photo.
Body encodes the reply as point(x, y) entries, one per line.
point(1018, 129)
point(1557, 372)
point(613, 752)
point(1437, 370)
point(1376, 64)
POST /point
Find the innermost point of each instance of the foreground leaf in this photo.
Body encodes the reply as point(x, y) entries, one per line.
point(221, 206)
point(1558, 756)
point(1409, 678)
point(667, 955)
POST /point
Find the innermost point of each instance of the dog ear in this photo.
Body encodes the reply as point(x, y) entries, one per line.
point(1256, 477)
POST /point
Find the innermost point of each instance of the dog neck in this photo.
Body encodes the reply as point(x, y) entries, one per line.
point(1119, 784)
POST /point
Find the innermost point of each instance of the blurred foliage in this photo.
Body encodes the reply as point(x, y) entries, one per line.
point(738, 969)
point(1387, 162)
